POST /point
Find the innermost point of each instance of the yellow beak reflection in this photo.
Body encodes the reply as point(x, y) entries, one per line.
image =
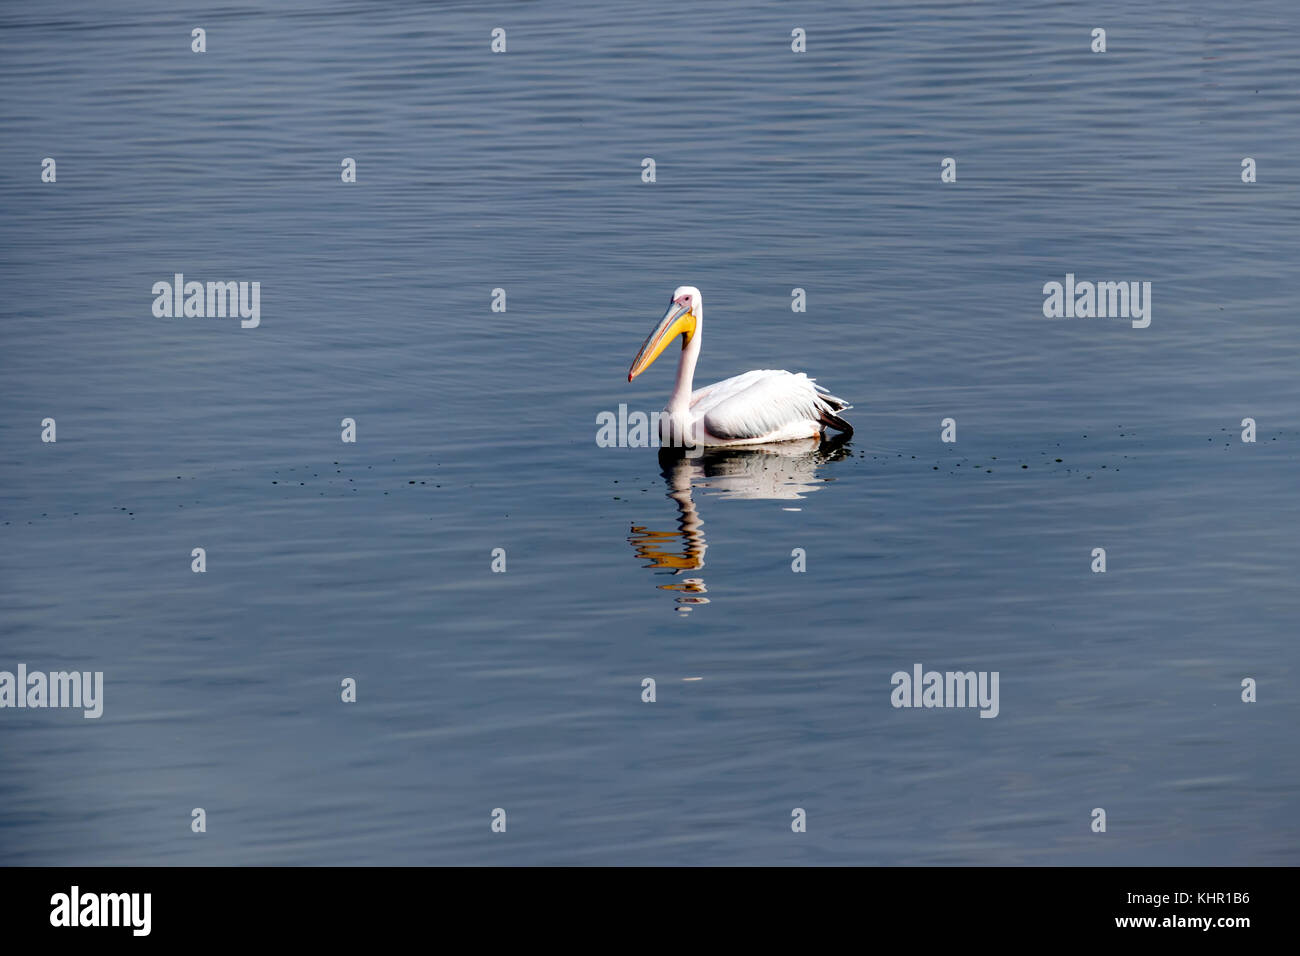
point(678, 320)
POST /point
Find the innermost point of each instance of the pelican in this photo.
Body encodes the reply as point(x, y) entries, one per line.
point(758, 407)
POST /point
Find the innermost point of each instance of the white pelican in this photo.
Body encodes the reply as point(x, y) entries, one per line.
point(765, 405)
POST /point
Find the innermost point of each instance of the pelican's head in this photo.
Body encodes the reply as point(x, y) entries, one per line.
point(682, 318)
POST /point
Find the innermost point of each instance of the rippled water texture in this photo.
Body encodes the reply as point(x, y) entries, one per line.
point(476, 431)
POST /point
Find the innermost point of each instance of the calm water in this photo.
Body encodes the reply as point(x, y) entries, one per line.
point(476, 431)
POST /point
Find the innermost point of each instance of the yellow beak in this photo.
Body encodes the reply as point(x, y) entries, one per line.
point(678, 320)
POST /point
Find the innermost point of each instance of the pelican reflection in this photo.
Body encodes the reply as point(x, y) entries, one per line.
point(777, 471)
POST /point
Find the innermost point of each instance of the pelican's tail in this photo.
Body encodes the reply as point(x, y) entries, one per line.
point(828, 405)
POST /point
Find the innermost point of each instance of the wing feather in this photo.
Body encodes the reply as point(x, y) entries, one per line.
point(763, 402)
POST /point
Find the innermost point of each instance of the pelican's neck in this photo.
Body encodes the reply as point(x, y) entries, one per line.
point(681, 397)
